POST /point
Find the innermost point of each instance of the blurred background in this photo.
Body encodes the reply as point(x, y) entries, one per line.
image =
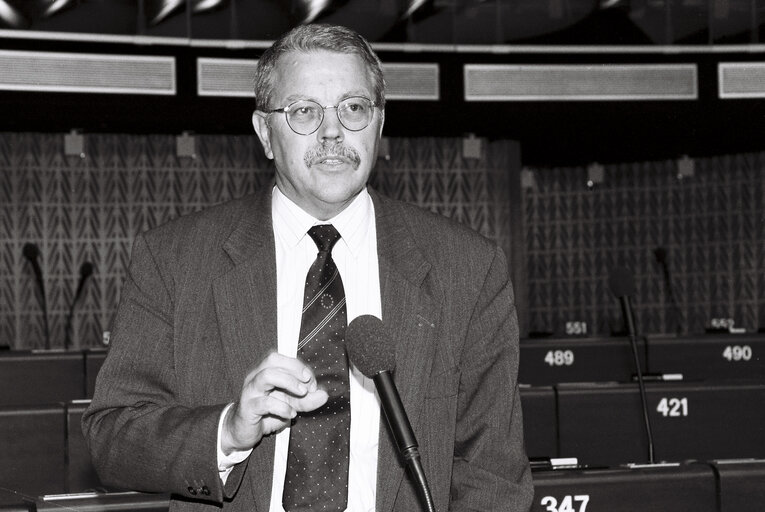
point(581, 135)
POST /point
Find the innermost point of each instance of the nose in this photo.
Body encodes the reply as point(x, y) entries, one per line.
point(330, 128)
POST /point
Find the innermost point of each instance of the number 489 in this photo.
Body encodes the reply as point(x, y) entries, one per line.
point(559, 357)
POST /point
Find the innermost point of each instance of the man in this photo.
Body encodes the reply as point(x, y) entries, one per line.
point(208, 385)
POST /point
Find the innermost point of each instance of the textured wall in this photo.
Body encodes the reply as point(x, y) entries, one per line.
point(712, 226)
point(89, 209)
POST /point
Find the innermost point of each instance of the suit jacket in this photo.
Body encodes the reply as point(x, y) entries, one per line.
point(198, 311)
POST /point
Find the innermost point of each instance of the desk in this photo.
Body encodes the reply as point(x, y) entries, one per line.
point(741, 485)
point(104, 502)
point(548, 361)
point(94, 358)
point(683, 488)
point(32, 457)
point(540, 421)
point(602, 424)
point(28, 378)
point(80, 473)
point(709, 357)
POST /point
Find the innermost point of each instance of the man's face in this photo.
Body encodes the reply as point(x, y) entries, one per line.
point(321, 172)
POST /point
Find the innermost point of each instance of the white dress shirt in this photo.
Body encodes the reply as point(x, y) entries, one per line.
point(355, 255)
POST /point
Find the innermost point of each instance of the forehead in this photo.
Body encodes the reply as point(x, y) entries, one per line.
point(321, 75)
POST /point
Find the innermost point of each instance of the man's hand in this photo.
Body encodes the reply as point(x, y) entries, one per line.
point(273, 393)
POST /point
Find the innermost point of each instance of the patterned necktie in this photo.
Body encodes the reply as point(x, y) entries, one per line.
point(317, 462)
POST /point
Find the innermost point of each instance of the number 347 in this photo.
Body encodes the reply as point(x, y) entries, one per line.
point(566, 504)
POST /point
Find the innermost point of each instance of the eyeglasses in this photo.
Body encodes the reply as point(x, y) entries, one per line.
point(305, 116)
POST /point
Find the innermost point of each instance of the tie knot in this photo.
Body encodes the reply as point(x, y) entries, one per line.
point(325, 236)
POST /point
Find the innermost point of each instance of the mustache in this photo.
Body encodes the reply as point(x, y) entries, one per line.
point(336, 149)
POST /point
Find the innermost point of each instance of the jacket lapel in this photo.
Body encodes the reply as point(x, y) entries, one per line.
point(245, 301)
point(410, 314)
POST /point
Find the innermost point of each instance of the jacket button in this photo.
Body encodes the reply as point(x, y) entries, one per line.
point(192, 490)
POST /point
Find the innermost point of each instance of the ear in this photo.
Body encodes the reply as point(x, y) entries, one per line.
point(260, 123)
point(382, 122)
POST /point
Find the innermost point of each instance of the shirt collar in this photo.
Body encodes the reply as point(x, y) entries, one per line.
point(291, 223)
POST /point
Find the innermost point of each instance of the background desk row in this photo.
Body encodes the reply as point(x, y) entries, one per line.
point(599, 424)
point(546, 361)
point(699, 487)
point(602, 423)
point(41, 377)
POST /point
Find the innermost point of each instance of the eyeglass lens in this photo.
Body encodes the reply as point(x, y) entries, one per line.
point(305, 116)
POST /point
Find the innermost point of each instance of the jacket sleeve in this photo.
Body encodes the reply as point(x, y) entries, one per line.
point(140, 435)
point(491, 470)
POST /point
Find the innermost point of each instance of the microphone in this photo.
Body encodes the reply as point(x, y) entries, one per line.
point(623, 287)
point(660, 253)
point(369, 348)
point(31, 252)
point(86, 270)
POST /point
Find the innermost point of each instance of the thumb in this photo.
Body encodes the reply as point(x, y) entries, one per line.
point(311, 401)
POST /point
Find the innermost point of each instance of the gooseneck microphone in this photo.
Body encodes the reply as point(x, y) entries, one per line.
point(31, 252)
point(371, 351)
point(660, 253)
point(623, 287)
point(86, 270)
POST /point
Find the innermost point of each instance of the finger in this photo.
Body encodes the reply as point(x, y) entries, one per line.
point(267, 406)
point(268, 380)
point(276, 362)
point(291, 365)
point(310, 401)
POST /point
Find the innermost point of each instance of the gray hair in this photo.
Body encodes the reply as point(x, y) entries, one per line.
point(312, 37)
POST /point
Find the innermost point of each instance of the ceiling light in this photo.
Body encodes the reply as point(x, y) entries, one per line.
point(11, 16)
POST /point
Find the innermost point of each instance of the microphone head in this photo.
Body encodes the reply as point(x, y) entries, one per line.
point(621, 281)
point(660, 253)
point(86, 269)
point(368, 346)
point(30, 251)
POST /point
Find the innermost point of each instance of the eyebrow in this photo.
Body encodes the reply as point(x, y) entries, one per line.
point(348, 94)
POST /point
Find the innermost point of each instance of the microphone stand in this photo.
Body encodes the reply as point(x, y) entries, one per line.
point(403, 435)
point(422, 483)
point(661, 257)
point(630, 324)
point(45, 317)
point(31, 253)
point(86, 269)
